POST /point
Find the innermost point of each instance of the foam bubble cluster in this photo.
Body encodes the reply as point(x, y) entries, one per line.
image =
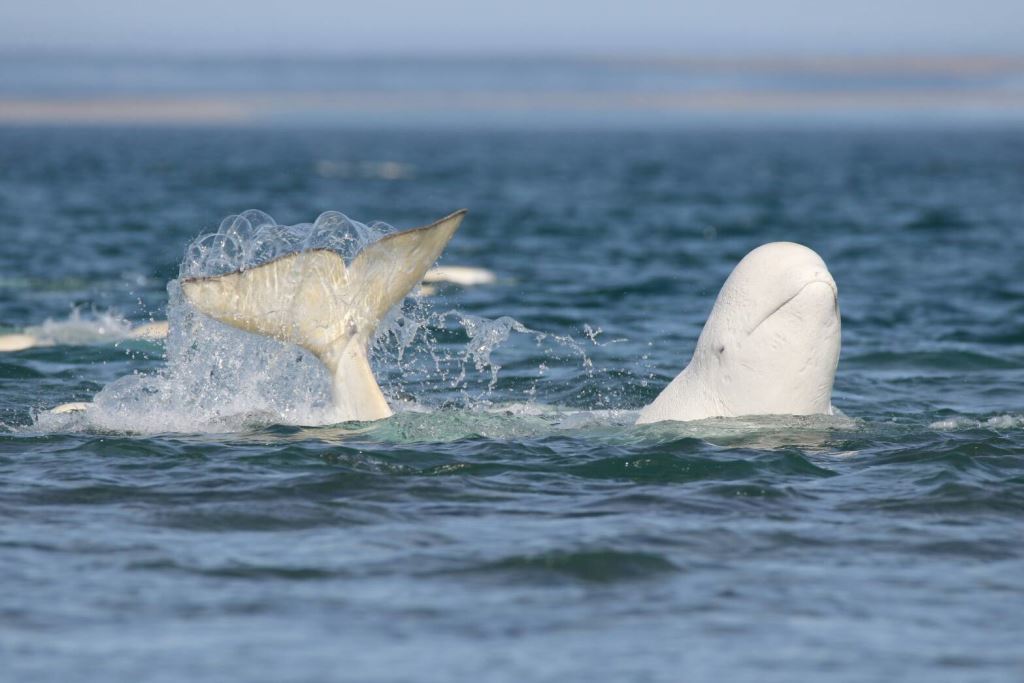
point(252, 238)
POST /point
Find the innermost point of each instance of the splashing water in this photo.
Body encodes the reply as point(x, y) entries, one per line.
point(453, 354)
point(81, 327)
point(253, 238)
point(219, 378)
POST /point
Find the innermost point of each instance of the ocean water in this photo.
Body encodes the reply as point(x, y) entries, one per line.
point(510, 523)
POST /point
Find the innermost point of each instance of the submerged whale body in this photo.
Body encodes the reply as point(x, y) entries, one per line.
point(313, 299)
point(769, 347)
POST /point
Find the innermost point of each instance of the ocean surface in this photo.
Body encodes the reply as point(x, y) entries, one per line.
point(510, 523)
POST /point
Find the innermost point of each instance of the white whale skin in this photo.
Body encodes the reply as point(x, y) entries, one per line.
point(769, 347)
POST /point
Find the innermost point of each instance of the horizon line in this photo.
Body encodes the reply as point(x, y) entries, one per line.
point(724, 57)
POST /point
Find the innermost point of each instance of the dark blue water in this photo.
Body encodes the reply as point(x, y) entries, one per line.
point(509, 523)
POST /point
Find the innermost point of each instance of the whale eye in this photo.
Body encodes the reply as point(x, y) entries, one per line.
point(721, 349)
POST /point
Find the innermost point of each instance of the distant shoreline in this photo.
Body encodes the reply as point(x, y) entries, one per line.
point(55, 89)
point(269, 107)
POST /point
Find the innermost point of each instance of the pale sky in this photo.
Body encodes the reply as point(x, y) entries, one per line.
point(515, 27)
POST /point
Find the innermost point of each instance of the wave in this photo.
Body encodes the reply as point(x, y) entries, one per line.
point(996, 422)
point(81, 328)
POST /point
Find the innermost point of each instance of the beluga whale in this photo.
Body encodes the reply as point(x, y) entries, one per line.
point(315, 300)
point(769, 347)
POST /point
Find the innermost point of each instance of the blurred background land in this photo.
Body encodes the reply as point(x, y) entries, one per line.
point(537, 64)
point(516, 91)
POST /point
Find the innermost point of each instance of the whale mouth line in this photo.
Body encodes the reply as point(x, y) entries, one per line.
point(831, 285)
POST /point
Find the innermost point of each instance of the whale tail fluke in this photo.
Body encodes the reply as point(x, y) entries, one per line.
point(314, 300)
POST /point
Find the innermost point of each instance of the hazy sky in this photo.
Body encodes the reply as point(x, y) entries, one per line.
point(636, 27)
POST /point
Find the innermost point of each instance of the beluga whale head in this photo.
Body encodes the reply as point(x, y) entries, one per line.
point(769, 347)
